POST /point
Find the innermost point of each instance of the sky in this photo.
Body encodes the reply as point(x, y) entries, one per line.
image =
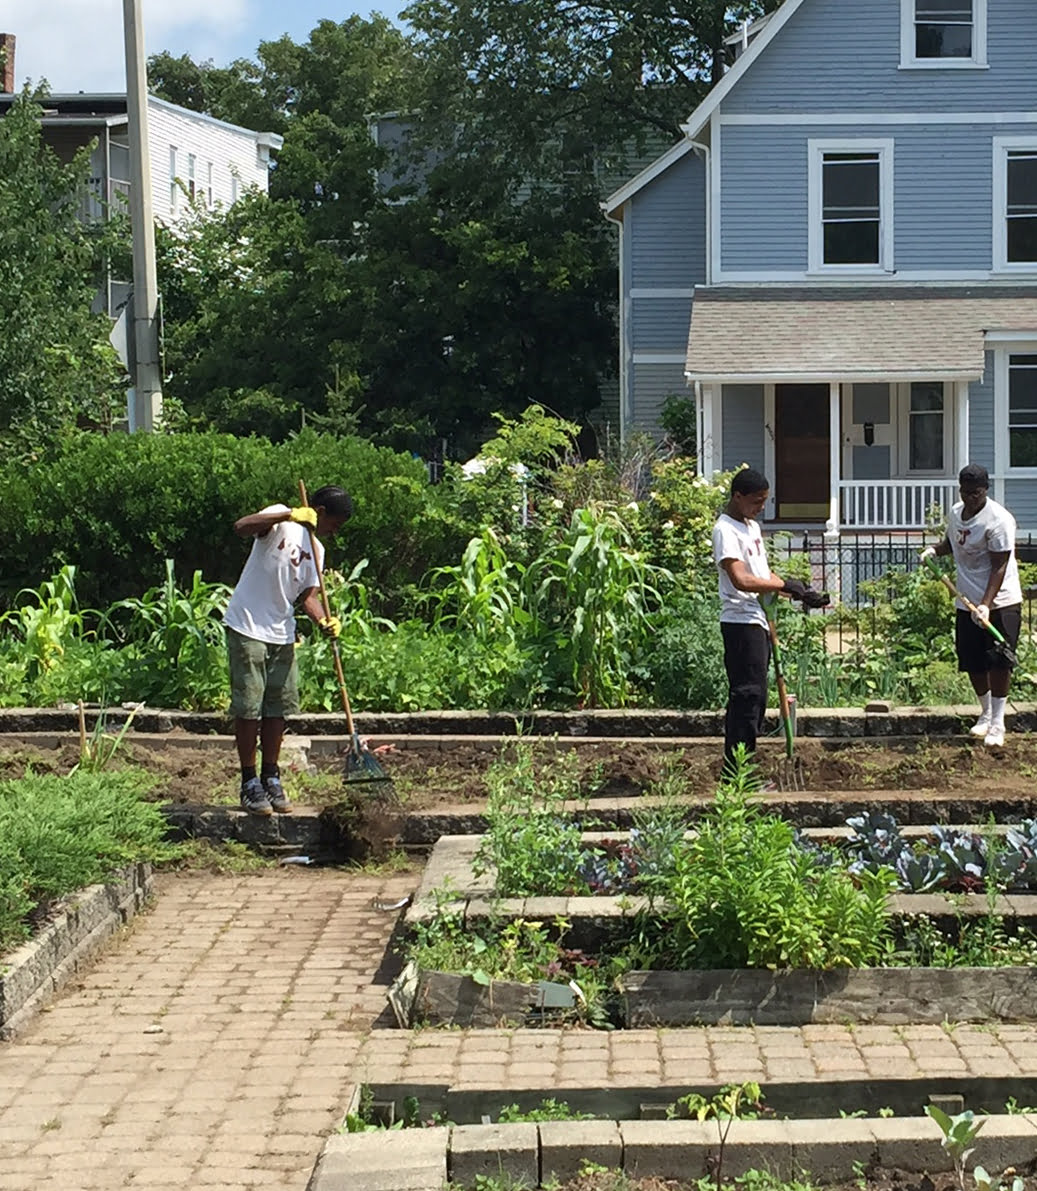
point(77, 45)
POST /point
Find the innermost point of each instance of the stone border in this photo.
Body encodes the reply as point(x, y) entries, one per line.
point(423, 1159)
point(877, 720)
point(33, 972)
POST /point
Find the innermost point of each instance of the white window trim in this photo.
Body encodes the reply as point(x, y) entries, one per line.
point(908, 61)
point(1001, 263)
point(1002, 451)
point(816, 149)
point(903, 408)
point(174, 187)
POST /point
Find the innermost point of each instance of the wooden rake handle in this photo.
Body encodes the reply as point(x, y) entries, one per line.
point(339, 674)
point(945, 580)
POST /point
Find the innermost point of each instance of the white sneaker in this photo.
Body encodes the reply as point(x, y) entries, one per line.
point(981, 727)
point(995, 738)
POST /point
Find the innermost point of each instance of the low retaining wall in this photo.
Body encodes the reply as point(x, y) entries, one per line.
point(535, 1155)
point(35, 971)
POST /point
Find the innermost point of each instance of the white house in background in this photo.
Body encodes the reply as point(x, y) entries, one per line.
point(192, 157)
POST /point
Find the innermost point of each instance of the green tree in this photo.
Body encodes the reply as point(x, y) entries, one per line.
point(57, 368)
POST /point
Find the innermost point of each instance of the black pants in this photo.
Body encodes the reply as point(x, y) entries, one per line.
point(747, 658)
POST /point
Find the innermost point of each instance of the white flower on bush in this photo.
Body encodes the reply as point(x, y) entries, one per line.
point(668, 525)
point(556, 503)
point(632, 506)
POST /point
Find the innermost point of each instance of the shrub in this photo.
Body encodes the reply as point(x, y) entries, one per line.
point(116, 506)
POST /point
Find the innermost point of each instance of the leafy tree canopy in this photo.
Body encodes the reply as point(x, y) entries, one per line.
point(57, 367)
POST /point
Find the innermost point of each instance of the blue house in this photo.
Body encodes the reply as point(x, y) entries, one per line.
point(840, 260)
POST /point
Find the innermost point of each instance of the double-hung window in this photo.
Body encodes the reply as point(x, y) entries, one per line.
point(1022, 411)
point(851, 206)
point(926, 426)
point(1015, 204)
point(173, 184)
point(943, 33)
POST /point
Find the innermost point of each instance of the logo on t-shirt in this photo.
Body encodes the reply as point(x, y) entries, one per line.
point(963, 536)
point(296, 556)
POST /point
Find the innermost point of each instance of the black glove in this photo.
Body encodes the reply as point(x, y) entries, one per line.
point(809, 598)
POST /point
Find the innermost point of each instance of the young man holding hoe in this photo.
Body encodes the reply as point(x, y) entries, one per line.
point(260, 622)
point(981, 537)
point(745, 575)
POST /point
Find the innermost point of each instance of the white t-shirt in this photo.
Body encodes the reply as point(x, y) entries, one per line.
point(991, 531)
point(741, 540)
point(279, 569)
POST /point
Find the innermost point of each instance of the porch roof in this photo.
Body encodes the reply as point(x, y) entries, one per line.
point(864, 333)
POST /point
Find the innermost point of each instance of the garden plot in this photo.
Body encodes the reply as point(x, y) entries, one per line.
point(745, 919)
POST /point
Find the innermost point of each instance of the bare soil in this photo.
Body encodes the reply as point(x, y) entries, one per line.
point(455, 775)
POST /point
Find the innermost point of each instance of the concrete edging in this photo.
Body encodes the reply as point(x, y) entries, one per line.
point(829, 1150)
point(33, 972)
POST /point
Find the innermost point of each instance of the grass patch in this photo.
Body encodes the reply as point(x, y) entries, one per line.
point(59, 834)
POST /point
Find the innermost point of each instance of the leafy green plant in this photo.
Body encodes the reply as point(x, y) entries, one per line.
point(743, 895)
point(959, 1136)
point(98, 750)
point(532, 846)
point(734, 1101)
point(549, 1109)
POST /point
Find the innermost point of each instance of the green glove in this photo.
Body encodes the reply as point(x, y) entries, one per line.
point(304, 515)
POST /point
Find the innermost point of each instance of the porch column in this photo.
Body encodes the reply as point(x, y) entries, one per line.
point(707, 449)
point(834, 457)
point(961, 424)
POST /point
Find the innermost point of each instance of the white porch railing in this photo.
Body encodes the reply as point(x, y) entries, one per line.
point(894, 504)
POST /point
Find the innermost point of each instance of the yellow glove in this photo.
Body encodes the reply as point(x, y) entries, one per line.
point(330, 626)
point(304, 515)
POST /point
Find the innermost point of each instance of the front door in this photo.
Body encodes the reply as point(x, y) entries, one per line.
point(801, 452)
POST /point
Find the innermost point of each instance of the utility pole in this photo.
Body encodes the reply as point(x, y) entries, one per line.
point(144, 406)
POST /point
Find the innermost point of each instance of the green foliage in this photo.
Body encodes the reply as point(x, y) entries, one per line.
point(678, 419)
point(744, 896)
point(742, 1101)
point(548, 1110)
point(531, 845)
point(117, 506)
point(959, 1136)
point(57, 368)
point(58, 834)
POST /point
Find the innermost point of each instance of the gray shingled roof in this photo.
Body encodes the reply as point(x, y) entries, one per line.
point(843, 333)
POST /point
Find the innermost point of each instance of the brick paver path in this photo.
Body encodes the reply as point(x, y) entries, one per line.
point(215, 1044)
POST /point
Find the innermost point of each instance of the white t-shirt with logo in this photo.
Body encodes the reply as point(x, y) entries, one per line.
point(279, 569)
point(991, 531)
point(744, 541)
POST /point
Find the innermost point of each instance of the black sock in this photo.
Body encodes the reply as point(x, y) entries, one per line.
point(248, 772)
point(270, 770)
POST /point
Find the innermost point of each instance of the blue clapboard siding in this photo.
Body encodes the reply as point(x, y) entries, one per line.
point(660, 324)
point(651, 385)
point(742, 426)
point(942, 181)
point(1021, 501)
point(844, 55)
point(666, 222)
point(981, 417)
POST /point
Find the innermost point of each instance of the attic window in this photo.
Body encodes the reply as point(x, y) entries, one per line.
point(943, 33)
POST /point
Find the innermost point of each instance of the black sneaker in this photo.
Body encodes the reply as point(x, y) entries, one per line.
point(276, 796)
point(254, 799)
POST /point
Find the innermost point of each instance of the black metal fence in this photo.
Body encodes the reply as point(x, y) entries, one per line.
point(845, 565)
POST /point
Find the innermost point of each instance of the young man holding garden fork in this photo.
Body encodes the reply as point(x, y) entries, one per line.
point(981, 537)
point(745, 575)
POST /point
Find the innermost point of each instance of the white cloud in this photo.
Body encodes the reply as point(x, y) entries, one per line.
point(78, 45)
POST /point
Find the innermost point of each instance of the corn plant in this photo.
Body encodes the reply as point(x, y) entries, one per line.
point(595, 591)
point(483, 595)
point(181, 637)
point(48, 623)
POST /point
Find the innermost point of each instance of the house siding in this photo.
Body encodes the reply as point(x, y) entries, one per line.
point(652, 384)
point(850, 53)
point(742, 426)
point(943, 194)
point(232, 152)
point(660, 324)
point(667, 223)
point(981, 417)
point(1021, 502)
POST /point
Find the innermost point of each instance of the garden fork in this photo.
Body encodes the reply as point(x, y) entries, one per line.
point(790, 771)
